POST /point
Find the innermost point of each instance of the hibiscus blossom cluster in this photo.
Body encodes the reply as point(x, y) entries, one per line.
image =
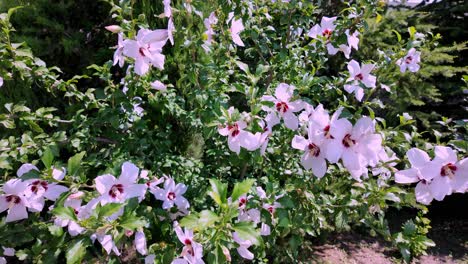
point(327, 138)
point(436, 178)
point(145, 50)
point(20, 196)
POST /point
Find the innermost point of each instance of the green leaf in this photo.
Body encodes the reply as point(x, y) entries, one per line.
point(244, 67)
point(218, 191)
point(55, 230)
point(76, 251)
point(398, 35)
point(207, 218)
point(132, 222)
point(65, 213)
point(411, 31)
point(74, 163)
point(247, 231)
point(190, 221)
point(241, 188)
point(47, 158)
point(109, 209)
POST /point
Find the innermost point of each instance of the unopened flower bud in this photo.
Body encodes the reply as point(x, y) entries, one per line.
point(114, 28)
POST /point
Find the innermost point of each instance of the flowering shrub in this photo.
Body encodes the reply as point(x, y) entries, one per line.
point(230, 132)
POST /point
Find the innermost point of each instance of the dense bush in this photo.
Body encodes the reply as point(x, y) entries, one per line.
point(224, 131)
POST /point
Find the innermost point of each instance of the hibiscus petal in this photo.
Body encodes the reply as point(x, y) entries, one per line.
point(407, 176)
point(234, 145)
point(16, 212)
point(351, 160)
point(445, 154)
point(300, 143)
point(333, 150)
point(319, 166)
point(237, 40)
point(245, 253)
point(3, 204)
point(181, 202)
point(25, 168)
point(54, 191)
point(141, 66)
point(75, 229)
point(140, 243)
point(417, 157)
point(431, 170)
point(460, 181)
point(104, 183)
point(249, 141)
point(290, 120)
point(129, 173)
point(136, 190)
point(353, 68)
point(440, 187)
point(340, 128)
point(314, 31)
point(284, 92)
point(423, 193)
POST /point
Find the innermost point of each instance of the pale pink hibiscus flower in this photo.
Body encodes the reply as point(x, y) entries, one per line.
point(25, 168)
point(243, 248)
point(447, 173)
point(14, 200)
point(38, 190)
point(270, 121)
point(359, 75)
point(418, 160)
point(192, 251)
point(171, 194)
point(209, 33)
point(73, 201)
point(283, 106)
point(107, 242)
point(119, 58)
point(146, 49)
point(357, 146)
point(115, 190)
point(237, 136)
point(140, 243)
point(313, 157)
point(410, 61)
point(158, 85)
point(325, 29)
point(236, 28)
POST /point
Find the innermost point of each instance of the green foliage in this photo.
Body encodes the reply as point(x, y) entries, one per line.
point(412, 240)
point(88, 124)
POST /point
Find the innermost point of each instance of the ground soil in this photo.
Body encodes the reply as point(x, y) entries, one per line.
point(449, 221)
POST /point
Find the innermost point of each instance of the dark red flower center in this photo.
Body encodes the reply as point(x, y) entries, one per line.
point(171, 196)
point(242, 202)
point(13, 199)
point(36, 185)
point(326, 130)
point(409, 59)
point(234, 129)
point(348, 141)
point(271, 209)
point(359, 77)
point(282, 107)
point(448, 170)
point(314, 149)
point(187, 242)
point(141, 51)
point(116, 190)
point(327, 33)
